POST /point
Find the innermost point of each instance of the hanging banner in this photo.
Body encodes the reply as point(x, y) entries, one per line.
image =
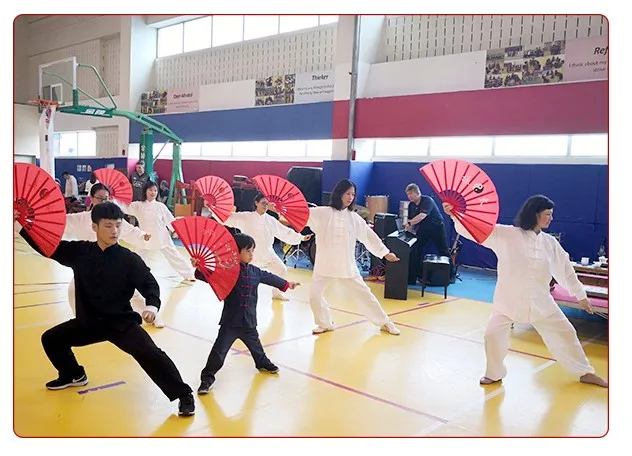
point(586, 59)
point(170, 101)
point(295, 88)
point(525, 65)
point(46, 130)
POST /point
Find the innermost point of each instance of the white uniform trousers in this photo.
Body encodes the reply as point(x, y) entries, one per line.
point(359, 291)
point(558, 335)
point(179, 262)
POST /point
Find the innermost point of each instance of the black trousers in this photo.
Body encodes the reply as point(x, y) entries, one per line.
point(225, 339)
point(436, 236)
point(129, 337)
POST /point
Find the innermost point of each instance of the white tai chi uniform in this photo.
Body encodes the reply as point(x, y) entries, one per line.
point(79, 227)
point(155, 218)
point(526, 262)
point(263, 229)
point(336, 233)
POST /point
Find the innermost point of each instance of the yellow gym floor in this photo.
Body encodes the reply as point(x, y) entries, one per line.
point(355, 381)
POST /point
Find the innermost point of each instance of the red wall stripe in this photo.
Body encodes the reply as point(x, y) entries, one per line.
point(568, 108)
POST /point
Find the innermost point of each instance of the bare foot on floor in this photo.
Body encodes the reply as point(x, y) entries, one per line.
point(593, 379)
point(488, 381)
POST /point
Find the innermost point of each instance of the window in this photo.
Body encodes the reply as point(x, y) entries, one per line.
point(286, 149)
point(530, 146)
point(198, 34)
point(589, 145)
point(68, 144)
point(319, 148)
point(217, 149)
point(170, 40)
point(191, 149)
point(162, 150)
point(227, 30)
point(401, 147)
point(77, 144)
point(461, 146)
point(260, 26)
point(292, 23)
point(322, 20)
point(86, 143)
point(250, 149)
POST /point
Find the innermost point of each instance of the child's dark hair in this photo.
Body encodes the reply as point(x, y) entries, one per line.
point(149, 184)
point(99, 186)
point(106, 211)
point(244, 242)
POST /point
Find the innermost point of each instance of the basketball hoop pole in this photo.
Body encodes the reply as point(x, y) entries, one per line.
point(151, 125)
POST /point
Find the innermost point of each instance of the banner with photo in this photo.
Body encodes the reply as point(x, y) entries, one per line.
point(295, 88)
point(525, 65)
point(169, 101)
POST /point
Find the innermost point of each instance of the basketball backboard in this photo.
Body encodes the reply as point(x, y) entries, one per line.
point(57, 80)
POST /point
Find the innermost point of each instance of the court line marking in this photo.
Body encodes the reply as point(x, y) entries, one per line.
point(101, 387)
point(453, 336)
point(465, 409)
point(36, 291)
point(330, 382)
point(41, 304)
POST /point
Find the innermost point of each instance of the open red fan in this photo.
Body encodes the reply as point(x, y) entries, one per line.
point(215, 249)
point(40, 204)
point(286, 197)
point(469, 190)
point(217, 194)
point(118, 183)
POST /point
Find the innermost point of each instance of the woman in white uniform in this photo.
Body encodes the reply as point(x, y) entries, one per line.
point(527, 258)
point(263, 228)
point(79, 227)
point(154, 218)
point(337, 228)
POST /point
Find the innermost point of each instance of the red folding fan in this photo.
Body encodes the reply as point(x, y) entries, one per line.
point(40, 205)
point(118, 183)
point(217, 194)
point(214, 248)
point(286, 197)
point(469, 190)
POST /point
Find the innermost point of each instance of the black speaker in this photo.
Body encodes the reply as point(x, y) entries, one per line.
point(384, 224)
point(309, 182)
point(326, 198)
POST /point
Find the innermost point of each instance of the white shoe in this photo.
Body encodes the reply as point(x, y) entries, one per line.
point(390, 328)
point(320, 330)
point(158, 323)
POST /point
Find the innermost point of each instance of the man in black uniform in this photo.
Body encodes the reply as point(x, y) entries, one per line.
point(106, 275)
point(425, 220)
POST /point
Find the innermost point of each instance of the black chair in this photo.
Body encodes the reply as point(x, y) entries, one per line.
point(438, 269)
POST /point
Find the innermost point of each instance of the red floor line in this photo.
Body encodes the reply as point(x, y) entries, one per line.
point(469, 340)
point(365, 394)
point(424, 306)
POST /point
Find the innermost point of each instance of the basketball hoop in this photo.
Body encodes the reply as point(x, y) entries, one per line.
point(42, 104)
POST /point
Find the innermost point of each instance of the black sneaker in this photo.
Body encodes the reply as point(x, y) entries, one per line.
point(60, 383)
point(205, 386)
point(269, 369)
point(186, 407)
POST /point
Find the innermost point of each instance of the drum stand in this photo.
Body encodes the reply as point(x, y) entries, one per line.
point(297, 253)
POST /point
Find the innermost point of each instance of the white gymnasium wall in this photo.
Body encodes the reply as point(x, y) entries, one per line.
point(413, 37)
point(296, 52)
point(107, 142)
point(449, 73)
point(25, 130)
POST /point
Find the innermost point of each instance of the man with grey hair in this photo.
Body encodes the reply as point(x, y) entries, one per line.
point(425, 220)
